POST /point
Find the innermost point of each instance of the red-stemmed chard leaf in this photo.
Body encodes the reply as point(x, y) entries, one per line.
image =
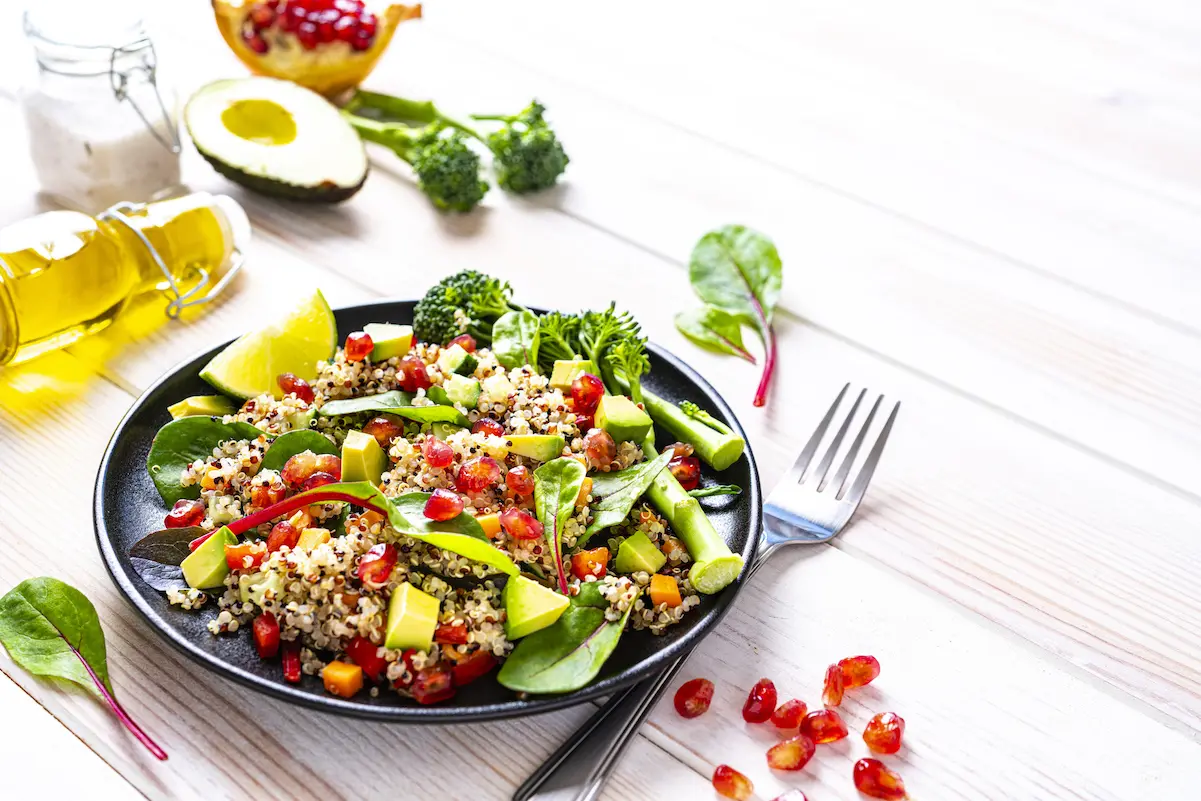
point(556, 487)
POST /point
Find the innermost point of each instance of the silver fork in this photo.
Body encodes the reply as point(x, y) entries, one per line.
point(804, 509)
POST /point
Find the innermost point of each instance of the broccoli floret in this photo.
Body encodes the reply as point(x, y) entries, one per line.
point(467, 302)
point(629, 357)
point(558, 338)
point(527, 156)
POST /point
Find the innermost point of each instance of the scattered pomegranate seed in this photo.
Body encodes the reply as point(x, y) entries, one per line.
point(328, 463)
point(832, 688)
point(732, 784)
point(488, 426)
point(792, 754)
point(266, 635)
point(443, 505)
point(519, 524)
point(792, 795)
point(586, 392)
point(437, 453)
point(874, 779)
point(451, 634)
point(520, 479)
point(282, 533)
point(693, 698)
point(789, 714)
point(687, 471)
point(599, 447)
point(883, 733)
point(264, 495)
point(858, 671)
point(376, 565)
point(235, 555)
point(823, 726)
point(464, 341)
point(365, 654)
point(359, 344)
point(384, 429)
point(298, 468)
point(590, 563)
point(318, 479)
point(760, 702)
point(585, 422)
point(679, 450)
point(477, 474)
point(472, 667)
point(291, 384)
point(290, 654)
point(413, 375)
point(185, 513)
point(433, 684)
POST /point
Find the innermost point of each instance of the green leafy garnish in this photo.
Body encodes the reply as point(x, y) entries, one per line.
point(614, 494)
point(714, 329)
point(285, 446)
point(397, 403)
point(515, 339)
point(556, 486)
point(715, 490)
point(183, 441)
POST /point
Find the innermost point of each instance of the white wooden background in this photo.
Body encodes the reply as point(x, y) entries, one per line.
point(989, 210)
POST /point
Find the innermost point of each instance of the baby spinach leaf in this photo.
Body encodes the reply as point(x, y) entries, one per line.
point(51, 629)
point(714, 329)
point(183, 441)
point(566, 655)
point(556, 486)
point(159, 577)
point(167, 547)
point(438, 395)
point(285, 446)
point(614, 494)
point(397, 403)
point(412, 506)
point(515, 339)
point(716, 489)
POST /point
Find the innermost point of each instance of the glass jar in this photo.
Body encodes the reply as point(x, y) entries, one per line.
point(103, 128)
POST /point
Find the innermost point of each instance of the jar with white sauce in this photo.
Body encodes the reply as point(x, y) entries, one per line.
point(103, 125)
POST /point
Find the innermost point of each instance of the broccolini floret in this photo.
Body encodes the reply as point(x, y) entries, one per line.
point(468, 302)
point(527, 156)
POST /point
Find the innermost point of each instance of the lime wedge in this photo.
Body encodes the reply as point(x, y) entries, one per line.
point(292, 344)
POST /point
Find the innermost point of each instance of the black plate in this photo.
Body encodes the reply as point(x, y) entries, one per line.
point(127, 507)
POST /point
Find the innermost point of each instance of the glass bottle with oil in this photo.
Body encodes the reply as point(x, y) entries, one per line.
point(64, 275)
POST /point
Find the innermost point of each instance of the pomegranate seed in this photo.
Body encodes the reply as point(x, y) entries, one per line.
point(325, 32)
point(261, 15)
point(520, 479)
point(282, 533)
point(306, 34)
point(365, 654)
point(687, 471)
point(599, 447)
point(290, 19)
point(433, 684)
point(823, 726)
point(832, 688)
point(328, 463)
point(473, 667)
point(464, 341)
point(298, 468)
point(789, 714)
point(437, 453)
point(291, 660)
point(384, 429)
point(477, 474)
point(367, 24)
point(318, 479)
point(255, 42)
point(362, 40)
point(185, 513)
point(883, 733)
point(520, 525)
point(792, 795)
point(590, 563)
point(875, 780)
point(792, 754)
point(346, 28)
point(376, 565)
point(585, 422)
point(264, 495)
point(858, 671)
point(358, 344)
point(488, 426)
point(760, 702)
point(586, 392)
point(413, 375)
point(693, 698)
point(679, 450)
point(266, 635)
point(291, 384)
point(443, 505)
point(732, 784)
point(451, 634)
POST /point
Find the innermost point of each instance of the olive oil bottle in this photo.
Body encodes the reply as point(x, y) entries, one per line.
point(64, 275)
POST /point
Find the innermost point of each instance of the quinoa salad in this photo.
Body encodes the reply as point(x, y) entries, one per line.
point(427, 503)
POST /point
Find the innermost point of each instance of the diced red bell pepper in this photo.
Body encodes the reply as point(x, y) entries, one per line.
point(451, 634)
point(590, 563)
point(433, 684)
point(472, 667)
point(290, 652)
point(235, 554)
point(266, 635)
point(365, 655)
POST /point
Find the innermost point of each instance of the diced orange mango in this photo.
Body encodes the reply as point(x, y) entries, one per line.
point(581, 500)
point(310, 538)
point(490, 524)
point(665, 590)
point(342, 678)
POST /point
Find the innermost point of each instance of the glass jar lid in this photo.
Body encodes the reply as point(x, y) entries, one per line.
point(81, 36)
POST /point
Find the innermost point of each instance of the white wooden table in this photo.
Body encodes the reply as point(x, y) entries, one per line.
point(991, 210)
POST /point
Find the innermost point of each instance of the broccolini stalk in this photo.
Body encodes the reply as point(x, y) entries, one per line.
point(712, 440)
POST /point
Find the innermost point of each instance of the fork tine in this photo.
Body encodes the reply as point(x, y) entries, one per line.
point(819, 475)
point(859, 488)
point(802, 461)
point(840, 478)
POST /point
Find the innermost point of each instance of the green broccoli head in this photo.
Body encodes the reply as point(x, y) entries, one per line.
point(527, 156)
point(467, 302)
point(448, 171)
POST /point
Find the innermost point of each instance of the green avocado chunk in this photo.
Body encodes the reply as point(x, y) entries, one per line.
point(568, 370)
point(209, 405)
point(412, 618)
point(542, 447)
point(622, 418)
point(529, 606)
point(206, 567)
point(362, 458)
point(388, 340)
point(637, 553)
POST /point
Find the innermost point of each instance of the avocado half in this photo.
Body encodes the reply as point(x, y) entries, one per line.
point(277, 138)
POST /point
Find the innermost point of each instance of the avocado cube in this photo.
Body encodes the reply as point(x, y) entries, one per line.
point(205, 567)
point(541, 447)
point(362, 458)
point(567, 371)
point(529, 606)
point(637, 553)
point(622, 418)
point(204, 405)
point(388, 340)
point(412, 618)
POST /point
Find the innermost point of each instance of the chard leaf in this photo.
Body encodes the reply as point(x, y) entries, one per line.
point(166, 547)
point(183, 441)
point(397, 403)
point(51, 629)
point(614, 494)
point(714, 490)
point(714, 329)
point(515, 339)
point(285, 446)
point(412, 506)
point(556, 486)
